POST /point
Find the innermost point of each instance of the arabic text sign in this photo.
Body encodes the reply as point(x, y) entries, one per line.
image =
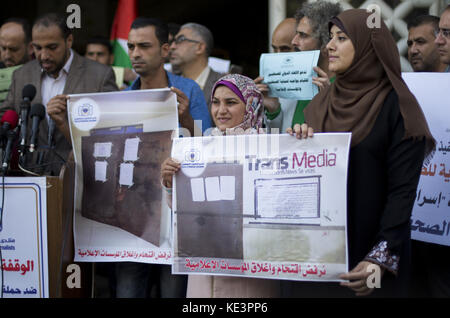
point(430, 220)
point(289, 75)
point(23, 239)
point(244, 207)
point(120, 140)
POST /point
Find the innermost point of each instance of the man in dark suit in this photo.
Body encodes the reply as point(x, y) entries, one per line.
point(189, 52)
point(56, 72)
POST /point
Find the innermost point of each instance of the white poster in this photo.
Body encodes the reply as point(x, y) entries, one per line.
point(23, 238)
point(120, 140)
point(430, 221)
point(289, 75)
point(267, 206)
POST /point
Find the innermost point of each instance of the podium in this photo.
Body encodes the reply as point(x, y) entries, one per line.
point(24, 227)
point(60, 207)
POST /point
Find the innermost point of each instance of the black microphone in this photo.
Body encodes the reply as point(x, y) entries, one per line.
point(9, 121)
point(51, 131)
point(37, 114)
point(28, 93)
point(11, 136)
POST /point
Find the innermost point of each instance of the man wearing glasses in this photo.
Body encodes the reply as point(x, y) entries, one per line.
point(190, 51)
point(443, 38)
point(423, 53)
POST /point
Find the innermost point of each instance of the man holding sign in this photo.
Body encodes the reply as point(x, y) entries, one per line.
point(311, 35)
point(148, 47)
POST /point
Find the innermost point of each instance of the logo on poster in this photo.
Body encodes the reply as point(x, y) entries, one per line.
point(192, 165)
point(85, 114)
point(85, 110)
point(192, 155)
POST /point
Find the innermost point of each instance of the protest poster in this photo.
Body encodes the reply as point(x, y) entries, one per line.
point(289, 75)
point(267, 206)
point(120, 140)
point(23, 238)
point(430, 221)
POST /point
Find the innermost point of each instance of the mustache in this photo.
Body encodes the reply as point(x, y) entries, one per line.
point(46, 61)
point(137, 61)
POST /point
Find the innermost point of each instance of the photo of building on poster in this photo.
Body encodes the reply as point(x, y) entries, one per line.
point(275, 210)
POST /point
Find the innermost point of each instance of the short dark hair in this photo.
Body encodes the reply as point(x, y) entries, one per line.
point(161, 29)
point(424, 19)
point(174, 28)
point(57, 19)
point(25, 26)
point(102, 40)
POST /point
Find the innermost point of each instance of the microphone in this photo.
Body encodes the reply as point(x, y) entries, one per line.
point(11, 136)
point(9, 121)
point(28, 93)
point(51, 131)
point(37, 114)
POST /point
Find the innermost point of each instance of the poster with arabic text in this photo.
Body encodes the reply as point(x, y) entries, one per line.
point(23, 238)
point(430, 221)
point(120, 140)
point(266, 206)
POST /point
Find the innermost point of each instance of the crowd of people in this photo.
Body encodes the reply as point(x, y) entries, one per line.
point(361, 90)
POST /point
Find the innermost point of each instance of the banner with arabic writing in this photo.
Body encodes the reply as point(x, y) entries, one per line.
point(120, 140)
point(267, 206)
point(430, 221)
point(23, 238)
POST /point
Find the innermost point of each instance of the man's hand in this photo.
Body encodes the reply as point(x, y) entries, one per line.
point(322, 79)
point(184, 115)
point(271, 104)
point(57, 110)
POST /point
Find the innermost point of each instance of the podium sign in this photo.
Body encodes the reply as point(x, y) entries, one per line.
point(23, 238)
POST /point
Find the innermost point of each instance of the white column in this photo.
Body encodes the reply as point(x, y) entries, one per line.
point(277, 13)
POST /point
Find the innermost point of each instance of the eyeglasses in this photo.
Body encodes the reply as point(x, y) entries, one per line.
point(445, 33)
point(182, 38)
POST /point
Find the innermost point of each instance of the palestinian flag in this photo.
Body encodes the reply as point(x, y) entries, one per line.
point(125, 15)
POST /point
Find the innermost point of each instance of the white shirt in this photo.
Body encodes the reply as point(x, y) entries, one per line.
point(55, 86)
point(203, 77)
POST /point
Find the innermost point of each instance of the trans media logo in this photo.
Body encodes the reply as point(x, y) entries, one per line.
point(85, 110)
